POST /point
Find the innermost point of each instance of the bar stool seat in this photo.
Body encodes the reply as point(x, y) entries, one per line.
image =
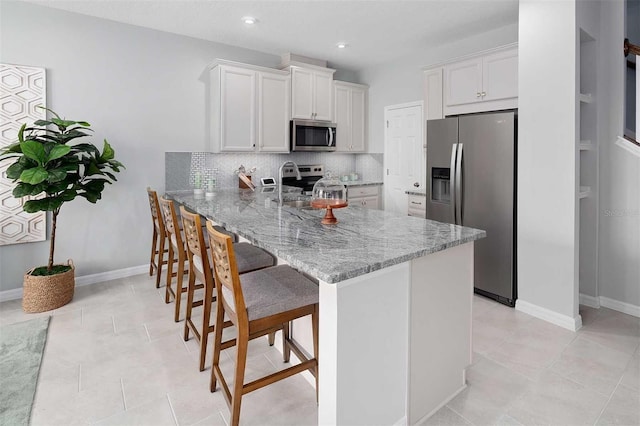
point(274, 290)
point(252, 258)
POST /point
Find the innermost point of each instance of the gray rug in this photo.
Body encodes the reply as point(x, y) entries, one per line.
point(21, 347)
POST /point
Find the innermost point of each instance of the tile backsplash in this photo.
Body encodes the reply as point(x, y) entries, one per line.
point(181, 167)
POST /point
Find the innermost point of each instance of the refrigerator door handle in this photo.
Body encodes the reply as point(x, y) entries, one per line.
point(452, 183)
point(458, 183)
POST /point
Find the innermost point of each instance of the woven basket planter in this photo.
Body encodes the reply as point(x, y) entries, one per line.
point(44, 293)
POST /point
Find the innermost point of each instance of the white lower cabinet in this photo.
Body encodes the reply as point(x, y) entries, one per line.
point(367, 196)
point(249, 108)
point(417, 206)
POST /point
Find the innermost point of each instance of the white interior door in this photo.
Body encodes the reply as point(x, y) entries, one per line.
point(404, 154)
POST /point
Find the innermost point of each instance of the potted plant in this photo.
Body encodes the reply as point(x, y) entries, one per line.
point(53, 169)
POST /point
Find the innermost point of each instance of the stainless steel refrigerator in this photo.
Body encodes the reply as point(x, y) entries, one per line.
point(471, 181)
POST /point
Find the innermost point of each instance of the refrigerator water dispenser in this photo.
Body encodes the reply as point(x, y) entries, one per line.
point(440, 184)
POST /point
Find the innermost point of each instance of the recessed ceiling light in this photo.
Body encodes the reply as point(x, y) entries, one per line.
point(342, 45)
point(250, 20)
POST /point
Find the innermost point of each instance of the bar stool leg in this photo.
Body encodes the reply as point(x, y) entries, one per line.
point(167, 293)
point(204, 334)
point(286, 348)
point(160, 259)
point(154, 244)
point(272, 339)
point(238, 384)
point(217, 342)
point(190, 291)
point(179, 288)
point(314, 326)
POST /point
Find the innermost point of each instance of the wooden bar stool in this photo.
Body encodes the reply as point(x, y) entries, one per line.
point(176, 248)
point(258, 303)
point(159, 237)
point(250, 258)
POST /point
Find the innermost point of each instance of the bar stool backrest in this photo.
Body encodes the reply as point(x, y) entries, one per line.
point(227, 276)
point(155, 212)
point(171, 223)
point(196, 247)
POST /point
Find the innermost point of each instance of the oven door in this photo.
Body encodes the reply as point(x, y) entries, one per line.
point(312, 136)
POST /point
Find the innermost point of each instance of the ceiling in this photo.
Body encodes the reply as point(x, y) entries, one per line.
point(375, 31)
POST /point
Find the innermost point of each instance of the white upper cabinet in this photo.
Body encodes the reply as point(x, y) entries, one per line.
point(500, 75)
point(433, 94)
point(311, 92)
point(273, 112)
point(484, 82)
point(237, 112)
point(323, 96)
point(249, 108)
point(350, 106)
point(463, 82)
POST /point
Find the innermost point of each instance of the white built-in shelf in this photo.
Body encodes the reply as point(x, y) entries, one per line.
point(585, 191)
point(587, 145)
point(586, 98)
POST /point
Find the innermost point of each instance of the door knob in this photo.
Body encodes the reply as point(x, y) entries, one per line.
point(416, 184)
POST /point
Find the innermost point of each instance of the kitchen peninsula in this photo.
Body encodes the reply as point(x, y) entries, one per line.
point(395, 300)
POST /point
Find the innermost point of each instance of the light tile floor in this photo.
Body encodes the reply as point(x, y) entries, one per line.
point(114, 356)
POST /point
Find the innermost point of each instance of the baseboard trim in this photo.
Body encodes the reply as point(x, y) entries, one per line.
point(625, 308)
point(445, 402)
point(81, 281)
point(13, 294)
point(564, 321)
point(111, 275)
point(590, 301)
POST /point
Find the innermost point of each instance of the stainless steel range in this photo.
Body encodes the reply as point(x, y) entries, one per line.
point(310, 175)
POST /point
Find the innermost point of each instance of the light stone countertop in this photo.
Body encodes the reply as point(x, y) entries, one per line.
point(361, 242)
point(362, 183)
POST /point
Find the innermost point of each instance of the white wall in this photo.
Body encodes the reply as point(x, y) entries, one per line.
point(547, 264)
point(138, 88)
point(619, 266)
point(401, 81)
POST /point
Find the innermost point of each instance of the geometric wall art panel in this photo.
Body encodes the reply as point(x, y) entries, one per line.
point(22, 89)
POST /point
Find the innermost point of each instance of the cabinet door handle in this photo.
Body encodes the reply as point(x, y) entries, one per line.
point(478, 94)
point(414, 202)
point(484, 94)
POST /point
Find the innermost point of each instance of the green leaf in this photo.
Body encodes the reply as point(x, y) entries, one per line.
point(14, 170)
point(86, 147)
point(72, 134)
point(68, 195)
point(42, 122)
point(54, 188)
point(14, 148)
point(58, 151)
point(63, 123)
point(95, 185)
point(92, 169)
point(83, 123)
point(56, 175)
point(21, 133)
point(34, 175)
point(47, 204)
point(33, 150)
point(91, 196)
point(22, 189)
point(107, 152)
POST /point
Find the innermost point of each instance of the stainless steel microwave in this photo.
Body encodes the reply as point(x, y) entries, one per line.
point(307, 135)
